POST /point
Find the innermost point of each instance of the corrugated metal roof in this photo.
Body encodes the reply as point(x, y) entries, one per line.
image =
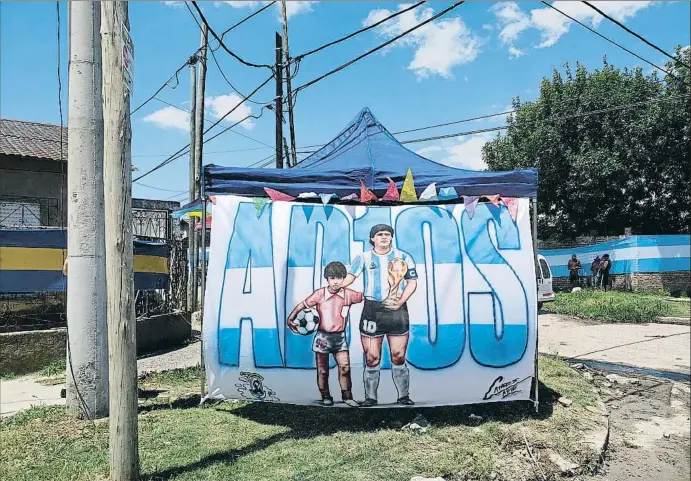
point(32, 139)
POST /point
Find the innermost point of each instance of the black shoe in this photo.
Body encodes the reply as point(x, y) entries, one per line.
point(368, 402)
point(406, 401)
point(327, 401)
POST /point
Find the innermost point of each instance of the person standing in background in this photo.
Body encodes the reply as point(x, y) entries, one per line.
point(595, 270)
point(605, 266)
point(574, 267)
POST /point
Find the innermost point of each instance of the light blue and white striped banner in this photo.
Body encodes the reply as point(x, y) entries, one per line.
point(643, 253)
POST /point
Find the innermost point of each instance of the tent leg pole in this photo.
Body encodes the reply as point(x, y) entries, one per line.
point(203, 293)
point(536, 401)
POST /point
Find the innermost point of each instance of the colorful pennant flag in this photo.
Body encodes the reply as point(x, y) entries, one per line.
point(259, 204)
point(494, 199)
point(447, 193)
point(365, 194)
point(408, 193)
point(511, 203)
point(326, 198)
point(430, 193)
point(212, 198)
point(352, 196)
point(391, 192)
point(307, 195)
point(470, 202)
point(276, 195)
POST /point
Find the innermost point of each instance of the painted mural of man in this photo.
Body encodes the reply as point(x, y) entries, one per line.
point(390, 279)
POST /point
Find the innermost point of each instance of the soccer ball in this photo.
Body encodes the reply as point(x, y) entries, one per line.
point(307, 321)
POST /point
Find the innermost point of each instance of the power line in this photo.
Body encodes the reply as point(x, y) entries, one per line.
point(376, 49)
point(351, 35)
point(162, 189)
point(549, 119)
point(639, 37)
point(184, 150)
point(609, 40)
point(187, 62)
point(454, 122)
point(220, 41)
point(209, 153)
point(207, 120)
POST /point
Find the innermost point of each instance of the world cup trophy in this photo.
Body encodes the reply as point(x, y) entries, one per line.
point(396, 269)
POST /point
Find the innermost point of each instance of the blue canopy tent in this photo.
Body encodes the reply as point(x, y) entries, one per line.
point(365, 151)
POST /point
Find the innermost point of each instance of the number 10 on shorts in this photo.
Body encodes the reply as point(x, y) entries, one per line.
point(369, 327)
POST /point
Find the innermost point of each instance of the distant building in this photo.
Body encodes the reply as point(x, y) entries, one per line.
point(33, 182)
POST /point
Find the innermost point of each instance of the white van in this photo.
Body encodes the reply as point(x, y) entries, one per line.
point(545, 293)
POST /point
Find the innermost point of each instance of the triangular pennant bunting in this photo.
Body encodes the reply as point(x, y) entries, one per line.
point(307, 195)
point(447, 193)
point(391, 192)
point(326, 198)
point(350, 209)
point(308, 209)
point(494, 199)
point(352, 196)
point(212, 198)
point(259, 204)
point(276, 195)
point(365, 194)
point(408, 193)
point(430, 193)
point(511, 203)
point(470, 202)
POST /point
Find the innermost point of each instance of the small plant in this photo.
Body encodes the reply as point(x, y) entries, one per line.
point(55, 368)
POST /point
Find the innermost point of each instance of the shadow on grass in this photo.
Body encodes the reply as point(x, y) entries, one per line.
point(306, 422)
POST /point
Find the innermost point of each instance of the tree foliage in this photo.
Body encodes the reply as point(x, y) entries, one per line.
point(608, 171)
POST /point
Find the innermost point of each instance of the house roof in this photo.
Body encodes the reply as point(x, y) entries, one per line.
point(32, 139)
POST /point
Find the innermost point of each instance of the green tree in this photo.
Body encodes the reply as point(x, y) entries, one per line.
point(608, 171)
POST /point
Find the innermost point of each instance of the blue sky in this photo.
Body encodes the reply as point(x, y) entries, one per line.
point(470, 62)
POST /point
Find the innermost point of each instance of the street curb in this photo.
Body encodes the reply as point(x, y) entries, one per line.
point(599, 440)
point(679, 321)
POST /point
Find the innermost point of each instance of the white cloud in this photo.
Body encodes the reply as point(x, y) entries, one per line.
point(465, 153)
point(515, 52)
point(179, 4)
point(439, 46)
point(551, 24)
point(219, 106)
point(169, 118)
point(292, 7)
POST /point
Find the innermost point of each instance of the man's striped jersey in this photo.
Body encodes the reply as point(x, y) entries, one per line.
point(376, 276)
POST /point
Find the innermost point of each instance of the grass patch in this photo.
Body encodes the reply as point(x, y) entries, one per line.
point(614, 306)
point(175, 382)
point(8, 376)
point(254, 441)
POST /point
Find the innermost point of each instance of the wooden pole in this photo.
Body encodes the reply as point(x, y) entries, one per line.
point(122, 342)
point(191, 245)
point(198, 153)
point(289, 90)
point(279, 102)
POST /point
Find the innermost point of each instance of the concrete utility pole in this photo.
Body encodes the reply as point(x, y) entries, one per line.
point(278, 107)
point(87, 344)
point(191, 244)
point(289, 90)
point(198, 154)
point(122, 333)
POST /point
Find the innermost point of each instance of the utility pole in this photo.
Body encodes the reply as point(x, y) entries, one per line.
point(287, 155)
point(198, 153)
point(191, 245)
point(87, 342)
point(279, 102)
point(286, 57)
point(122, 332)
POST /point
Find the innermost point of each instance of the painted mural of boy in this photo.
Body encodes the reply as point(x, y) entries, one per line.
point(332, 303)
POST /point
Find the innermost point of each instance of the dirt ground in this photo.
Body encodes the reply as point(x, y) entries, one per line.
point(649, 428)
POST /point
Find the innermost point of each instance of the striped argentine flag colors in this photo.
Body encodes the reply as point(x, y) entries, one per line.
point(641, 253)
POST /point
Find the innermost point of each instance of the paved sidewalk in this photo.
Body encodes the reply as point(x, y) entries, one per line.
point(665, 347)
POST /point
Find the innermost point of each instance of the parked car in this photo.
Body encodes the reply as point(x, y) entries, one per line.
point(545, 293)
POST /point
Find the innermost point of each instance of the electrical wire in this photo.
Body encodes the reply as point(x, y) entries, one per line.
point(376, 49)
point(454, 122)
point(357, 32)
point(549, 119)
point(610, 40)
point(184, 150)
point(166, 84)
point(639, 37)
point(220, 41)
point(223, 34)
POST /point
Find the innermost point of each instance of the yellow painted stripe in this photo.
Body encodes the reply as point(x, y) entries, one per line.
point(153, 264)
point(44, 259)
point(31, 259)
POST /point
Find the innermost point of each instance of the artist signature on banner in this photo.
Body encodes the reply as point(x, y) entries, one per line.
point(252, 386)
point(504, 389)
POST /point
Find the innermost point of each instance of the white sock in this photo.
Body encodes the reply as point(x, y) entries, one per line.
point(371, 381)
point(401, 379)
